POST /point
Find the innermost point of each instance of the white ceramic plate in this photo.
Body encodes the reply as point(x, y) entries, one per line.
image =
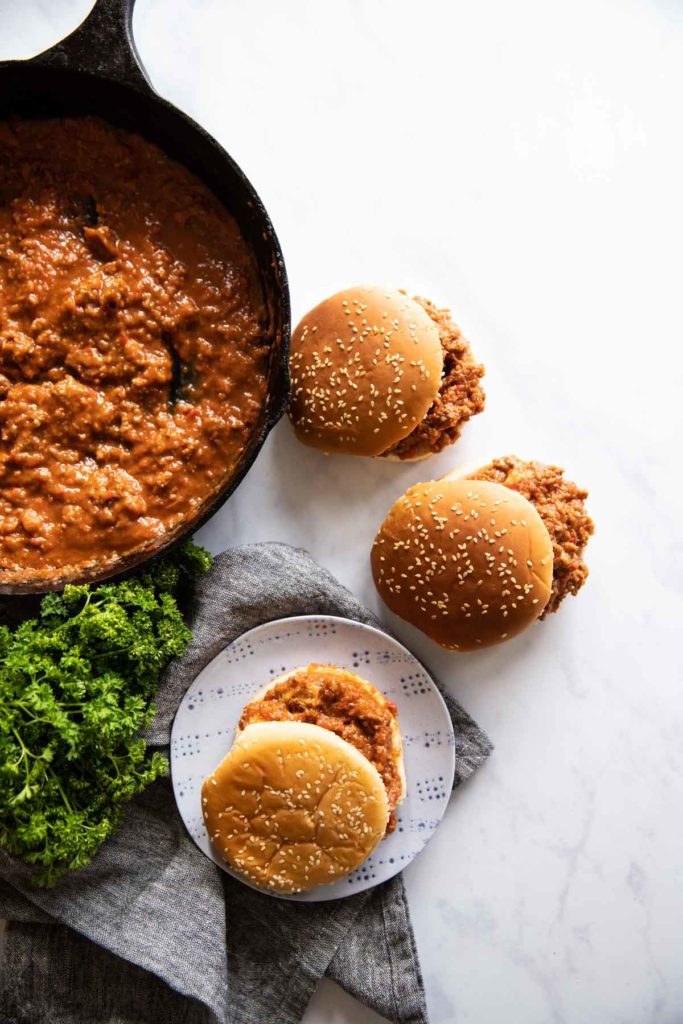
point(205, 724)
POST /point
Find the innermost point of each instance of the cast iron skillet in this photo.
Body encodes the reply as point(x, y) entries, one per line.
point(96, 70)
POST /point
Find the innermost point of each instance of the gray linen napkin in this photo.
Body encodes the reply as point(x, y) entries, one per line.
point(153, 932)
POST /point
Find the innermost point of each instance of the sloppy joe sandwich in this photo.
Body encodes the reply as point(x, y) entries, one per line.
point(475, 558)
point(311, 783)
point(343, 703)
point(377, 373)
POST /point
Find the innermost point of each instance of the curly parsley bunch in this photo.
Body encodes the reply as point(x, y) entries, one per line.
point(76, 687)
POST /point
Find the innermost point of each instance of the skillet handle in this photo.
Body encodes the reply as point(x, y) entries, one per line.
point(103, 46)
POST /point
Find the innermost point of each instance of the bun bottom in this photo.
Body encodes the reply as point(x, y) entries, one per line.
point(412, 458)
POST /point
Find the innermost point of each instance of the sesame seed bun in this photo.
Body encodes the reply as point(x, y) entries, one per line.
point(293, 806)
point(470, 563)
point(366, 367)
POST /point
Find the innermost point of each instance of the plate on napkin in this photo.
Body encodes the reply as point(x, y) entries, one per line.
point(208, 715)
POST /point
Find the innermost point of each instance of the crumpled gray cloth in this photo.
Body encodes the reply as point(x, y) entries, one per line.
point(151, 932)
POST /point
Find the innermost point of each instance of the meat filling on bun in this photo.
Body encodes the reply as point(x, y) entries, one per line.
point(560, 504)
point(344, 704)
point(460, 396)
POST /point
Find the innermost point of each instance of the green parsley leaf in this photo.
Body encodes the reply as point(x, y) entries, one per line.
point(76, 690)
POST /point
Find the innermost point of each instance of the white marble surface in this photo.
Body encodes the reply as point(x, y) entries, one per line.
point(523, 163)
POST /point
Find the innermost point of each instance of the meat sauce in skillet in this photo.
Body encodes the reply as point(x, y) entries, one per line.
point(133, 356)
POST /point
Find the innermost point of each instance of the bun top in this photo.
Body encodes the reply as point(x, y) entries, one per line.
point(366, 366)
point(470, 563)
point(293, 806)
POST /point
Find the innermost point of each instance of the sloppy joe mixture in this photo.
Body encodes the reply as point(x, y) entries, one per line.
point(320, 695)
point(132, 349)
point(560, 504)
point(460, 396)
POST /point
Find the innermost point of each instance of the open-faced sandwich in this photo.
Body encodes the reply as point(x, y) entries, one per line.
point(311, 784)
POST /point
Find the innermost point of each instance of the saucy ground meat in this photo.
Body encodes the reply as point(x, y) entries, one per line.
point(133, 354)
point(460, 395)
point(560, 504)
point(329, 697)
